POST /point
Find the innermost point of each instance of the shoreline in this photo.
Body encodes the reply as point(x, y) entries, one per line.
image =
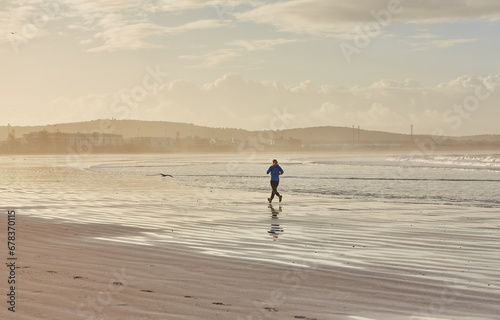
point(343, 149)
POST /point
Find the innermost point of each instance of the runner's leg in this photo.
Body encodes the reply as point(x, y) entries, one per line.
point(274, 185)
point(272, 191)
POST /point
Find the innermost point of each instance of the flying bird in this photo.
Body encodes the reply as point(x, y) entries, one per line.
point(161, 174)
point(166, 175)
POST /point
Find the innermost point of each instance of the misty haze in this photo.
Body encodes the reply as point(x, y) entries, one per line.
point(250, 159)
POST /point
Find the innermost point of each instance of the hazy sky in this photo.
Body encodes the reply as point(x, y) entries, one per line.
point(379, 64)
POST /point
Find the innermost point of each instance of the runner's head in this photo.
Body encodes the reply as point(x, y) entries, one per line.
point(275, 162)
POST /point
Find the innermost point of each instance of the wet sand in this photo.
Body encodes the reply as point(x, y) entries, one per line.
point(107, 246)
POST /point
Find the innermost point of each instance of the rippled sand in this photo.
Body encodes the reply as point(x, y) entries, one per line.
point(113, 246)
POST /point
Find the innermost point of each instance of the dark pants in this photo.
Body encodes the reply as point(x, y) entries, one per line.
point(274, 185)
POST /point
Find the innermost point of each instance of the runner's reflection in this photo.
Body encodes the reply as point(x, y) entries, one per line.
point(276, 230)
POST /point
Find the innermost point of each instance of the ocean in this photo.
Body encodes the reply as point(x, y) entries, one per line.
point(471, 180)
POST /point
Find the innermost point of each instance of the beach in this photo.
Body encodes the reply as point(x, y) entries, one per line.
point(100, 245)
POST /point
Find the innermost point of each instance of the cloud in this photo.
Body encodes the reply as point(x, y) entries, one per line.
point(258, 45)
point(325, 112)
point(14, 14)
point(179, 6)
point(450, 42)
point(212, 59)
point(233, 101)
point(449, 11)
point(118, 23)
point(471, 82)
point(27, 19)
point(127, 25)
point(342, 16)
point(118, 34)
point(377, 114)
point(425, 36)
point(427, 41)
point(197, 25)
point(239, 47)
point(387, 83)
point(108, 6)
point(301, 16)
point(114, 24)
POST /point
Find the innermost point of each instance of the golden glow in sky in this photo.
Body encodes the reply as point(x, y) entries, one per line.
point(378, 64)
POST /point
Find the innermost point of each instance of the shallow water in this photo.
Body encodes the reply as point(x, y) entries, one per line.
point(465, 180)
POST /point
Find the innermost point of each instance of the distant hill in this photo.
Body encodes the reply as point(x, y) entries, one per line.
point(310, 136)
point(132, 128)
point(332, 135)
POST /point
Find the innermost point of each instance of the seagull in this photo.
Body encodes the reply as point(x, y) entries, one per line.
point(166, 175)
point(161, 174)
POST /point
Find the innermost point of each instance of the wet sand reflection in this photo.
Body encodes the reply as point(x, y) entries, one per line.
point(276, 229)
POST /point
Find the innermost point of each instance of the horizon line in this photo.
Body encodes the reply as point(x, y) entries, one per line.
point(353, 127)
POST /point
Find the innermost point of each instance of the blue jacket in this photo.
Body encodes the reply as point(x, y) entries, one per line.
point(275, 172)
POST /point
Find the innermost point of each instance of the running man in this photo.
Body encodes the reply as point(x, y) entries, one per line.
point(275, 171)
